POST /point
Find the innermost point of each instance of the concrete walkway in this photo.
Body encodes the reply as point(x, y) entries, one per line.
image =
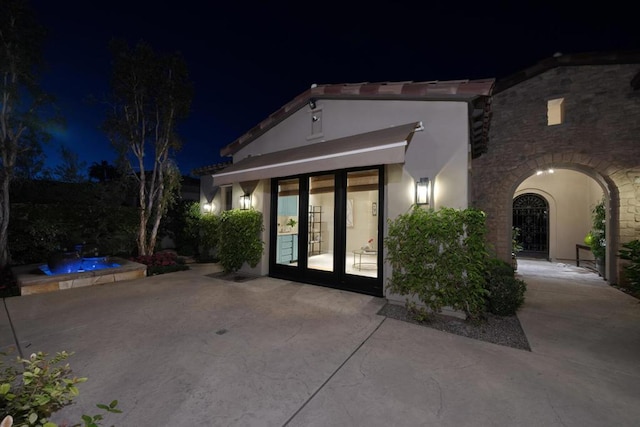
point(185, 349)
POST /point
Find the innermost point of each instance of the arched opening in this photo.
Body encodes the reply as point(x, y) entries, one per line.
point(569, 195)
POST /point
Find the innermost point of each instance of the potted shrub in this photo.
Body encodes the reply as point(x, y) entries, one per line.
point(516, 246)
point(595, 239)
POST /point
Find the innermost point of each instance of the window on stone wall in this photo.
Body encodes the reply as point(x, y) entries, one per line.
point(555, 111)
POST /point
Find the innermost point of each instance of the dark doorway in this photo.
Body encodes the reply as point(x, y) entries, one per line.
point(531, 217)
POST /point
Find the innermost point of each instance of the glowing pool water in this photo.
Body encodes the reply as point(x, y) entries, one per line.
point(87, 264)
point(34, 278)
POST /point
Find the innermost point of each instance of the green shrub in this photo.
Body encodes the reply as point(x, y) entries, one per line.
point(239, 239)
point(181, 224)
point(49, 215)
point(505, 292)
point(516, 244)
point(209, 226)
point(438, 257)
point(37, 230)
point(631, 252)
point(596, 237)
point(32, 389)
point(193, 233)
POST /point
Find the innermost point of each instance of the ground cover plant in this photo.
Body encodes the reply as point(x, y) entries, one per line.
point(161, 263)
point(501, 330)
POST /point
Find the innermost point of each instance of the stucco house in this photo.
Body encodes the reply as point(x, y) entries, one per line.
point(537, 149)
point(329, 167)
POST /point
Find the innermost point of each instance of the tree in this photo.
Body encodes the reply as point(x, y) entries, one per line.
point(103, 172)
point(22, 101)
point(70, 169)
point(30, 165)
point(151, 93)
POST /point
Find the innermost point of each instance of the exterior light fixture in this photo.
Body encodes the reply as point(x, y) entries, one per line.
point(423, 191)
point(245, 202)
point(208, 207)
point(545, 172)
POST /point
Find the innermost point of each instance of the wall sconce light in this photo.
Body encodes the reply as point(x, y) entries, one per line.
point(423, 190)
point(208, 207)
point(312, 103)
point(245, 202)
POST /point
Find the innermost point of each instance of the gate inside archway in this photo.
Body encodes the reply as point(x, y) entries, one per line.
point(531, 217)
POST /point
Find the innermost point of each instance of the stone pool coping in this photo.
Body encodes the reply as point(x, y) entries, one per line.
point(32, 280)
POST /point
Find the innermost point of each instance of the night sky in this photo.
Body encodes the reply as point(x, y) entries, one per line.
point(247, 59)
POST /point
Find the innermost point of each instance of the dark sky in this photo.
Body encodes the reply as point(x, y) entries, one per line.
point(247, 59)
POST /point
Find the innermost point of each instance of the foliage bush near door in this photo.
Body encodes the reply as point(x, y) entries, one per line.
point(209, 237)
point(438, 257)
point(596, 237)
point(631, 252)
point(239, 240)
point(505, 291)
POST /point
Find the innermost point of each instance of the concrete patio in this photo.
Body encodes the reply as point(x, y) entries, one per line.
point(188, 349)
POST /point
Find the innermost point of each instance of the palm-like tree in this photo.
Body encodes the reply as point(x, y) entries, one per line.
point(102, 172)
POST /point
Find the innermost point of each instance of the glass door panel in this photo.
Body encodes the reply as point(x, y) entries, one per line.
point(288, 221)
point(362, 223)
point(320, 227)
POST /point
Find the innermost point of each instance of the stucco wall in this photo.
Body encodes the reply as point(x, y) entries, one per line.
point(439, 152)
point(599, 137)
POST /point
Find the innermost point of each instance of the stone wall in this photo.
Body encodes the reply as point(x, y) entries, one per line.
point(600, 136)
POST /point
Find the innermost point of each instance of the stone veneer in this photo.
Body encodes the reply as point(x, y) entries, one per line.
point(600, 136)
point(33, 281)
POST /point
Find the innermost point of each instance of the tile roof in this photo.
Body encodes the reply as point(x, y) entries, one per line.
point(429, 90)
point(559, 59)
point(207, 170)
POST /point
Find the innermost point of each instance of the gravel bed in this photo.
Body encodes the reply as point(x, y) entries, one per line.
point(502, 330)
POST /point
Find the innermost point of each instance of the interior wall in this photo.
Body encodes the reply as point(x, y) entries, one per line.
point(365, 224)
point(326, 200)
point(574, 195)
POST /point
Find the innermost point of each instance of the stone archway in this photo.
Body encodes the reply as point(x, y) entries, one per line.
point(496, 201)
point(571, 196)
point(598, 134)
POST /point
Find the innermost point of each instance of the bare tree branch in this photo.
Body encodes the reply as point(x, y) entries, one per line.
point(151, 92)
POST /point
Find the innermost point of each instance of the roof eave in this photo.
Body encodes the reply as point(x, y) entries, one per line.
point(461, 90)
